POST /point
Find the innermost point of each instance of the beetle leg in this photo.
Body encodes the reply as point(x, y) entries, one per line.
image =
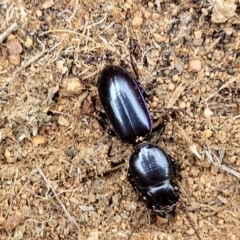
point(160, 127)
point(130, 178)
point(157, 131)
point(104, 123)
point(176, 168)
point(131, 181)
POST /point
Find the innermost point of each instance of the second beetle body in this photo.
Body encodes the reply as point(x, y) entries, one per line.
point(151, 172)
point(124, 104)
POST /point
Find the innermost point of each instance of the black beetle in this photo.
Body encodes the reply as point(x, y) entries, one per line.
point(124, 104)
point(151, 172)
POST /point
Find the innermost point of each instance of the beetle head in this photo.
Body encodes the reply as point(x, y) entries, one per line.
point(162, 199)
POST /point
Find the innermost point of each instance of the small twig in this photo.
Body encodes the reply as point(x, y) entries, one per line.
point(214, 43)
point(36, 221)
point(74, 10)
point(185, 27)
point(8, 31)
point(114, 168)
point(70, 191)
point(223, 86)
point(57, 112)
point(210, 224)
point(194, 206)
point(32, 60)
point(35, 58)
point(99, 22)
point(158, 5)
point(236, 117)
point(175, 95)
point(80, 100)
point(89, 75)
point(67, 31)
point(70, 218)
point(5, 71)
point(218, 161)
point(184, 136)
point(182, 190)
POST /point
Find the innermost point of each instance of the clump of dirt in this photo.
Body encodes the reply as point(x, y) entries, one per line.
point(62, 176)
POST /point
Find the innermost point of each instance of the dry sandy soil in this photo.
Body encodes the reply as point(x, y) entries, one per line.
point(62, 176)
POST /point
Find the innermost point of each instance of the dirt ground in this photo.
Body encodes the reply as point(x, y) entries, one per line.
point(62, 176)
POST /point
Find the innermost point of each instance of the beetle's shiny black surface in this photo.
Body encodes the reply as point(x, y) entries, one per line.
point(150, 169)
point(124, 104)
point(151, 172)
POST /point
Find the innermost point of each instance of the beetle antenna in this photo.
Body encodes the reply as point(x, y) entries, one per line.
point(137, 224)
point(183, 207)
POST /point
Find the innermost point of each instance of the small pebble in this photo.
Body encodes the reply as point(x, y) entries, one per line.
point(159, 38)
point(150, 5)
point(38, 140)
point(204, 11)
point(208, 133)
point(154, 104)
point(74, 200)
point(228, 31)
point(123, 177)
point(147, 14)
point(182, 105)
point(15, 59)
point(178, 65)
point(207, 113)
point(7, 154)
point(74, 86)
point(198, 41)
point(155, 16)
point(39, 13)
point(14, 47)
point(171, 86)
point(130, 2)
point(222, 199)
point(200, 224)
point(24, 196)
point(175, 78)
point(63, 121)
point(220, 221)
point(127, 5)
point(230, 71)
point(137, 20)
point(207, 74)
point(198, 34)
point(28, 42)
point(233, 237)
point(195, 65)
point(13, 221)
point(47, 4)
point(190, 232)
point(60, 67)
point(208, 185)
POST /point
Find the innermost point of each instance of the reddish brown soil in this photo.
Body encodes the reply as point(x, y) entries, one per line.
point(58, 180)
